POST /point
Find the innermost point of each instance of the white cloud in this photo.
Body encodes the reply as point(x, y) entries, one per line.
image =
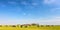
point(53, 21)
point(58, 17)
point(44, 22)
point(55, 10)
point(24, 3)
point(24, 14)
point(49, 1)
point(54, 2)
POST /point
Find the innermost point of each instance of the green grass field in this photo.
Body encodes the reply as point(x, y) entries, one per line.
point(44, 27)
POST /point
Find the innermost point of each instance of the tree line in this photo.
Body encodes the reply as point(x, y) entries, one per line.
point(28, 25)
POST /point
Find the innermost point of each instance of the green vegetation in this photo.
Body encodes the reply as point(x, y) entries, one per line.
point(30, 27)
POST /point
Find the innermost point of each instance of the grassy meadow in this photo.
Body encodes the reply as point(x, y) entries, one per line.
point(30, 27)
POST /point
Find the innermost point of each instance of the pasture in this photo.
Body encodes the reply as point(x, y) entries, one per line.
point(32, 27)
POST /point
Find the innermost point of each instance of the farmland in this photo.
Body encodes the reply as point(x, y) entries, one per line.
point(30, 27)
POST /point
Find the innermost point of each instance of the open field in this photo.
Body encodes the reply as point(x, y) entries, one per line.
point(32, 27)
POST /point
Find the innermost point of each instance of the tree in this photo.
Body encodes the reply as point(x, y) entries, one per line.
point(21, 26)
point(37, 25)
point(0, 25)
point(13, 25)
point(42, 25)
point(25, 26)
point(33, 24)
point(47, 25)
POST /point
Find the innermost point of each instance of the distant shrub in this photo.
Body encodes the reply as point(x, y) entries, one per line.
point(6, 25)
point(21, 26)
point(42, 25)
point(0, 25)
point(13, 25)
point(26, 26)
point(47, 25)
point(34, 24)
point(52, 25)
point(38, 26)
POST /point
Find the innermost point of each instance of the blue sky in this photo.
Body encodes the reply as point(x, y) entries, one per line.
point(29, 11)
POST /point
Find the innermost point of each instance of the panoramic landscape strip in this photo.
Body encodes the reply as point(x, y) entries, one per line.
point(29, 27)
